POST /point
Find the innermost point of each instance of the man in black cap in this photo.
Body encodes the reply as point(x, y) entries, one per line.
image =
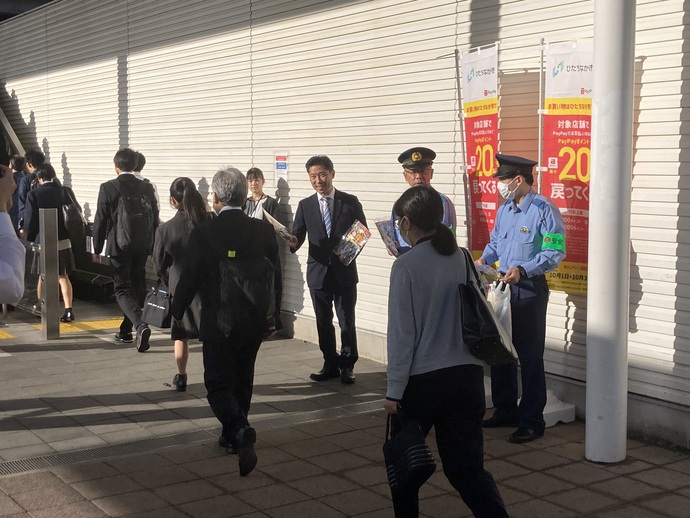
point(417, 170)
point(528, 240)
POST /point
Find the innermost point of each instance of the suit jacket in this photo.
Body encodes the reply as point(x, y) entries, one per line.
point(308, 220)
point(50, 195)
point(210, 242)
point(108, 198)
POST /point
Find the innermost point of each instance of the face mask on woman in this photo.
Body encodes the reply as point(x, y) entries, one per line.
point(504, 190)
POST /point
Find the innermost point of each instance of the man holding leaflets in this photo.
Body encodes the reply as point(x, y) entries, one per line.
point(326, 216)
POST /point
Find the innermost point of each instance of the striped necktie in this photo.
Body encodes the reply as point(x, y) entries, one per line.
point(326, 215)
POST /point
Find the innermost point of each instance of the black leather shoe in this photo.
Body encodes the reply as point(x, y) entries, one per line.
point(505, 422)
point(522, 435)
point(325, 374)
point(347, 377)
point(244, 444)
point(226, 445)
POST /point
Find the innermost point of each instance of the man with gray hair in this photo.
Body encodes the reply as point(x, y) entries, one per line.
point(229, 352)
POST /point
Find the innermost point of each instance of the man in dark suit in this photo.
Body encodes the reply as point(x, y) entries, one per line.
point(326, 216)
point(129, 266)
point(229, 356)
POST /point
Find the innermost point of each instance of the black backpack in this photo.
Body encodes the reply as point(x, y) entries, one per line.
point(134, 221)
point(247, 295)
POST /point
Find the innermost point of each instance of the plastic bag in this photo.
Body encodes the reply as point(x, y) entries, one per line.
point(498, 295)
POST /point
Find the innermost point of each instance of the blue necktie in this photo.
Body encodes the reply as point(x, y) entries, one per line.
point(326, 215)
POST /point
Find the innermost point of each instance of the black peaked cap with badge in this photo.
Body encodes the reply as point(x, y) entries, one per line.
point(417, 158)
point(510, 166)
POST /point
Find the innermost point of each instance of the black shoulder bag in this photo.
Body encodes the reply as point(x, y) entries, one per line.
point(409, 462)
point(481, 330)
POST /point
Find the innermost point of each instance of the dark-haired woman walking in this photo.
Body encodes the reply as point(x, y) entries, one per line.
point(432, 376)
point(172, 238)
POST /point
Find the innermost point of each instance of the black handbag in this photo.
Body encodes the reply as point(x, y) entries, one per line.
point(157, 306)
point(481, 331)
point(409, 462)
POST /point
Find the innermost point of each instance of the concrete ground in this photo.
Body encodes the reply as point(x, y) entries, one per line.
point(91, 428)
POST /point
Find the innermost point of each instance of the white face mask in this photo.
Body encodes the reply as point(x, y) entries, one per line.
point(504, 190)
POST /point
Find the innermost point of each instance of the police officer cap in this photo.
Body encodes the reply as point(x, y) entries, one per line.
point(417, 158)
point(510, 166)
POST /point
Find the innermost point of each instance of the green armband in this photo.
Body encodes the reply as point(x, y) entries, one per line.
point(554, 242)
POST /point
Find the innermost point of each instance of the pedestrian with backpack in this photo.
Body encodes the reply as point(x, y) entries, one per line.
point(125, 222)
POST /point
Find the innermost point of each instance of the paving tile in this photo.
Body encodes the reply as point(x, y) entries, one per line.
point(339, 461)
point(75, 510)
point(580, 473)
point(324, 428)
point(283, 436)
point(29, 482)
point(444, 506)
point(373, 452)
point(569, 450)
point(291, 470)
point(8, 506)
point(86, 471)
point(108, 486)
point(323, 485)
point(501, 469)
point(670, 504)
point(537, 484)
point(581, 500)
point(682, 466)
point(166, 475)
point(367, 476)
point(655, 455)
point(26, 452)
point(214, 466)
point(232, 483)
point(628, 511)
point(307, 509)
point(138, 462)
point(271, 496)
point(188, 491)
point(664, 478)
point(194, 452)
point(626, 488)
point(538, 460)
point(356, 502)
point(47, 497)
point(162, 512)
point(272, 454)
point(310, 448)
point(539, 508)
point(136, 502)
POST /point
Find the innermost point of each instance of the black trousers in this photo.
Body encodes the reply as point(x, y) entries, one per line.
point(452, 401)
point(129, 279)
point(528, 304)
point(344, 298)
point(229, 377)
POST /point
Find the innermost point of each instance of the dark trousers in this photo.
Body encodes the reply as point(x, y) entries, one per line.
point(528, 302)
point(344, 298)
point(229, 377)
point(452, 401)
point(129, 279)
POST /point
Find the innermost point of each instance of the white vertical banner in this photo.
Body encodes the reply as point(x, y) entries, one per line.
point(480, 109)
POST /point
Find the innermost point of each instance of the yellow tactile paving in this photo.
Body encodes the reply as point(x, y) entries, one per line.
point(91, 325)
point(4, 335)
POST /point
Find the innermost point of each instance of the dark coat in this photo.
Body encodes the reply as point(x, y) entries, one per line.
point(210, 242)
point(108, 198)
point(169, 250)
point(308, 220)
point(50, 195)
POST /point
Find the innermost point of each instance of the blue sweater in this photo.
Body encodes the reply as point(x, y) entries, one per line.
point(424, 332)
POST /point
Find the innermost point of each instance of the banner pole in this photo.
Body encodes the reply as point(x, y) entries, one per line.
point(465, 179)
point(540, 112)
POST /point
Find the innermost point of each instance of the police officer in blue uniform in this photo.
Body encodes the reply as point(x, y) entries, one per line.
point(528, 241)
point(417, 170)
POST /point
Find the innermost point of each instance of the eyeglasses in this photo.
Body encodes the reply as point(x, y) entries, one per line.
point(420, 172)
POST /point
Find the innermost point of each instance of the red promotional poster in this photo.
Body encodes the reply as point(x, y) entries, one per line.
point(480, 107)
point(567, 144)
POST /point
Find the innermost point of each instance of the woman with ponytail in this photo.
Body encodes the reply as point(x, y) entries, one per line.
point(169, 250)
point(432, 376)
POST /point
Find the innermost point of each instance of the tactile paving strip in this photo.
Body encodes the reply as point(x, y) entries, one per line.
point(91, 325)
